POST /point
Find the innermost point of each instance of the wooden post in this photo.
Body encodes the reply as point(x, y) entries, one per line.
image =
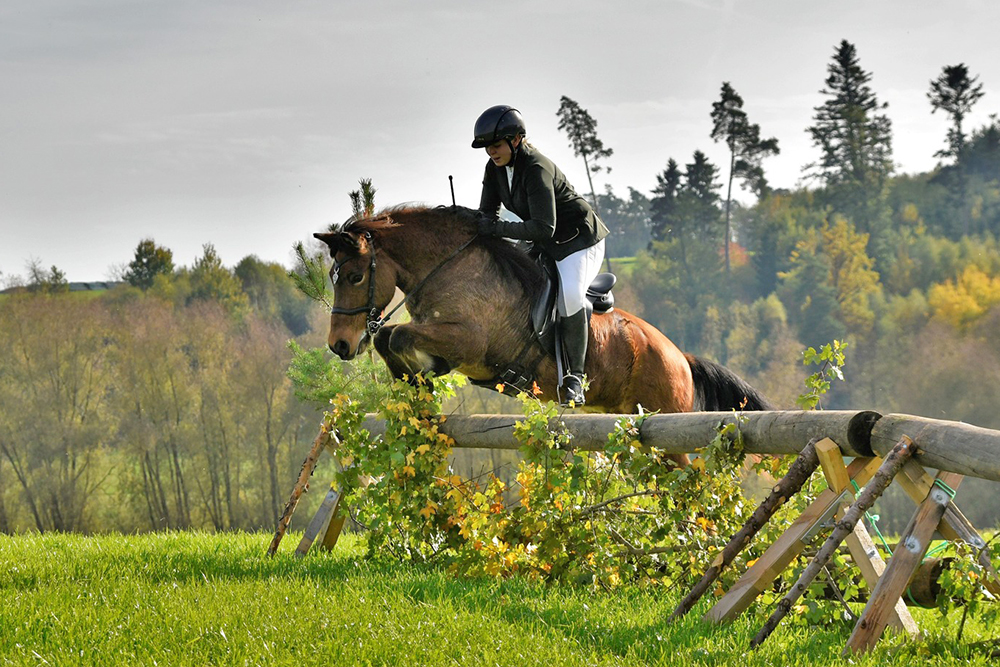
point(308, 465)
point(859, 542)
point(789, 485)
point(904, 562)
point(323, 524)
point(787, 547)
point(954, 525)
point(893, 462)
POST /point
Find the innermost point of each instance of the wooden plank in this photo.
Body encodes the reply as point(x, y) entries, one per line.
point(903, 450)
point(869, 561)
point(904, 562)
point(321, 441)
point(320, 522)
point(777, 557)
point(954, 525)
point(833, 465)
point(859, 542)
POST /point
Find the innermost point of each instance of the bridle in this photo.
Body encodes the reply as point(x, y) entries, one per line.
point(374, 320)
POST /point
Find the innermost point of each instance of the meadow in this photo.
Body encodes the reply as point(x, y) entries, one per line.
point(180, 598)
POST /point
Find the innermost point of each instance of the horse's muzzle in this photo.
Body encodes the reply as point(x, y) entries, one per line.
point(342, 349)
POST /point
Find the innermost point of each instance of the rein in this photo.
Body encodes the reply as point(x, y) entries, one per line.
point(374, 321)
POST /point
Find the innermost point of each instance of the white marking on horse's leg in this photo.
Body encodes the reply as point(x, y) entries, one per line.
point(424, 360)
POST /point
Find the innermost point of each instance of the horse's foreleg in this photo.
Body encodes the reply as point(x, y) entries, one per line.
point(410, 348)
point(397, 365)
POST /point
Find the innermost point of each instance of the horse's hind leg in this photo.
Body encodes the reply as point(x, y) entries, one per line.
point(396, 345)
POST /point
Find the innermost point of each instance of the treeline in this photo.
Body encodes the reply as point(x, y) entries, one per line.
point(163, 403)
point(905, 268)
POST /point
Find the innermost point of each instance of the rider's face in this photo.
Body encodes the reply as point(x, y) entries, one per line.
point(500, 153)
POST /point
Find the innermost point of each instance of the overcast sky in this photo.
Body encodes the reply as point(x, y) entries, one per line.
point(245, 124)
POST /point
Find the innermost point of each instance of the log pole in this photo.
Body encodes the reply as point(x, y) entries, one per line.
point(305, 473)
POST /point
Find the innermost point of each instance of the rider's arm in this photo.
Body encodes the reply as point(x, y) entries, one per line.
point(489, 201)
point(541, 220)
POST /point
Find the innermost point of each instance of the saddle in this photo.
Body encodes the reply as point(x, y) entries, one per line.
point(544, 313)
point(520, 373)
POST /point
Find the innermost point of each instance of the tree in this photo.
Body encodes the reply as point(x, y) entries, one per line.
point(954, 93)
point(628, 220)
point(47, 281)
point(663, 208)
point(855, 139)
point(581, 129)
point(150, 261)
point(746, 150)
point(210, 280)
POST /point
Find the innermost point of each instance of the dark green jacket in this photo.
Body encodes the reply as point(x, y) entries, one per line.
point(557, 219)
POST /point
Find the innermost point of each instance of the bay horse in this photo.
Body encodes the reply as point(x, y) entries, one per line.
point(469, 300)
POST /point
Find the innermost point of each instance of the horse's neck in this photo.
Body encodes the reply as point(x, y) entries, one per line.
point(417, 253)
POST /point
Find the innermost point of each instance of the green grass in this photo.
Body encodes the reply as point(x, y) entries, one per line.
point(192, 598)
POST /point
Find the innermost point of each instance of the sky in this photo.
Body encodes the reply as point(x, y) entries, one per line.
point(245, 124)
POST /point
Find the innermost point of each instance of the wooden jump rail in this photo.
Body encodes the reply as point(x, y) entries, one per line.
point(819, 438)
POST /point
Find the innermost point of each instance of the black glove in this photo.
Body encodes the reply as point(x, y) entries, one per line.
point(486, 225)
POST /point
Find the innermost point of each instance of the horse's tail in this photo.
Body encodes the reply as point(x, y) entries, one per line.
point(718, 388)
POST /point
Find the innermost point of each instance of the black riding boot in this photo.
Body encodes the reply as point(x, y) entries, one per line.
point(573, 331)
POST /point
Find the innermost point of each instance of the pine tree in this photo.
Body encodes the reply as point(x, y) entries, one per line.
point(663, 209)
point(746, 150)
point(150, 261)
point(581, 128)
point(954, 93)
point(855, 139)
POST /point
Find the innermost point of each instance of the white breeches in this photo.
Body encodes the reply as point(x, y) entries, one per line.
point(576, 272)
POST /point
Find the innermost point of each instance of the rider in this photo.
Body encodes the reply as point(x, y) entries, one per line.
point(554, 217)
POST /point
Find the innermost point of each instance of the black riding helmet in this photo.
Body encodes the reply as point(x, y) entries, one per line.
point(496, 123)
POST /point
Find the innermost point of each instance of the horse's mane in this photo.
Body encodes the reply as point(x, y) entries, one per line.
point(447, 222)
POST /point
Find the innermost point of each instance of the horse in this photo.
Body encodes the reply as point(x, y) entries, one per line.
point(469, 300)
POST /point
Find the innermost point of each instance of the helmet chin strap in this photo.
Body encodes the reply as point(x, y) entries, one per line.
point(513, 149)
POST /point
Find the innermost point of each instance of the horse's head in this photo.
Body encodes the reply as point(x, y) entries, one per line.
point(362, 288)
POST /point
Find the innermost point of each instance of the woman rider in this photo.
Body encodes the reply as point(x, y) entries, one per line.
point(554, 217)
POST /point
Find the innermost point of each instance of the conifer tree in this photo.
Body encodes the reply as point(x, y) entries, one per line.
point(581, 128)
point(854, 136)
point(954, 93)
point(746, 150)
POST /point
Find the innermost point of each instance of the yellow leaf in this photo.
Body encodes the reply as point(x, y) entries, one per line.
point(409, 470)
point(698, 464)
point(402, 430)
point(455, 480)
point(423, 449)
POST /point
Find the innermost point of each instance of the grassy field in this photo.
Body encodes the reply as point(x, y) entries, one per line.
point(192, 599)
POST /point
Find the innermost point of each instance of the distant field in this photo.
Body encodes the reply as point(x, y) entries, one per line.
point(193, 599)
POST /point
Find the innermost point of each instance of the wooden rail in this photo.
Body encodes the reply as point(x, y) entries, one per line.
point(942, 445)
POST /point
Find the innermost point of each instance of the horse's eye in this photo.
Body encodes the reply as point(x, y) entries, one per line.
point(357, 278)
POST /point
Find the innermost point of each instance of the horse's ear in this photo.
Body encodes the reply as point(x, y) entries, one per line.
point(350, 241)
point(331, 239)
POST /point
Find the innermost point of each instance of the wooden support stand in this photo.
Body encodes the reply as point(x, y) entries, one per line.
point(893, 462)
point(784, 550)
point(325, 526)
point(789, 485)
point(887, 582)
point(910, 552)
point(859, 542)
